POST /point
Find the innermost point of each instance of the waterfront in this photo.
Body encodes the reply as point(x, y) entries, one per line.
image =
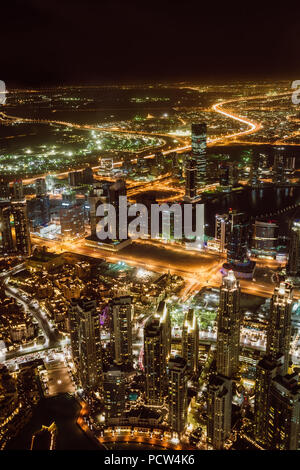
point(62, 409)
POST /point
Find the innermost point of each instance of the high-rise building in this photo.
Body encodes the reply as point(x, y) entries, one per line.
point(18, 191)
point(228, 341)
point(157, 346)
point(114, 394)
point(279, 331)
point(21, 224)
point(222, 230)
point(40, 187)
point(87, 175)
point(71, 217)
point(265, 238)
point(219, 410)
point(199, 135)
point(86, 343)
point(4, 189)
point(190, 179)
point(284, 413)
point(266, 370)
point(190, 342)
point(39, 210)
point(121, 330)
point(293, 267)
point(98, 195)
point(5, 228)
point(237, 246)
point(177, 394)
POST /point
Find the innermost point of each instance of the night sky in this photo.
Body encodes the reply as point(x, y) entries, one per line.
point(63, 42)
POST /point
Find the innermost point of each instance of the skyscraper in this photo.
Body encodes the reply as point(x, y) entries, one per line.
point(222, 230)
point(238, 240)
point(228, 327)
point(177, 394)
point(279, 331)
point(228, 345)
point(86, 343)
point(293, 267)
point(71, 217)
point(266, 370)
point(121, 331)
point(114, 394)
point(190, 179)
point(5, 228)
point(190, 342)
point(284, 413)
point(40, 187)
point(97, 196)
point(21, 224)
point(219, 410)
point(199, 133)
point(18, 192)
point(157, 345)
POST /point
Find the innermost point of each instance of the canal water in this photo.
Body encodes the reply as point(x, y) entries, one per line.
point(255, 202)
point(64, 410)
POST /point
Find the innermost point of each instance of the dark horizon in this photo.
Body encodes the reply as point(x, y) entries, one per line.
point(53, 43)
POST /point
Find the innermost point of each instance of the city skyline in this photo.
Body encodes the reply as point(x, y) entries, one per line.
point(149, 230)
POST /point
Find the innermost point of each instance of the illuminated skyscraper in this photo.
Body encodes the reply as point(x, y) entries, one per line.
point(98, 195)
point(284, 413)
point(177, 394)
point(157, 345)
point(21, 224)
point(238, 240)
point(228, 341)
point(222, 230)
point(71, 217)
point(293, 267)
point(266, 370)
point(121, 332)
point(190, 179)
point(18, 192)
point(86, 343)
point(228, 346)
point(114, 394)
point(219, 410)
point(279, 330)
point(199, 134)
point(190, 342)
point(40, 187)
point(7, 245)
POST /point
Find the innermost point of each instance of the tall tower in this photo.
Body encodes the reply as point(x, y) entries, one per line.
point(21, 223)
point(98, 195)
point(114, 394)
point(121, 332)
point(177, 394)
point(284, 413)
point(219, 410)
point(157, 344)
point(228, 341)
point(190, 179)
point(86, 343)
point(279, 331)
point(190, 342)
point(5, 228)
point(293, 267)
point(199, 134)
point(238, 240)
point(266, 370)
